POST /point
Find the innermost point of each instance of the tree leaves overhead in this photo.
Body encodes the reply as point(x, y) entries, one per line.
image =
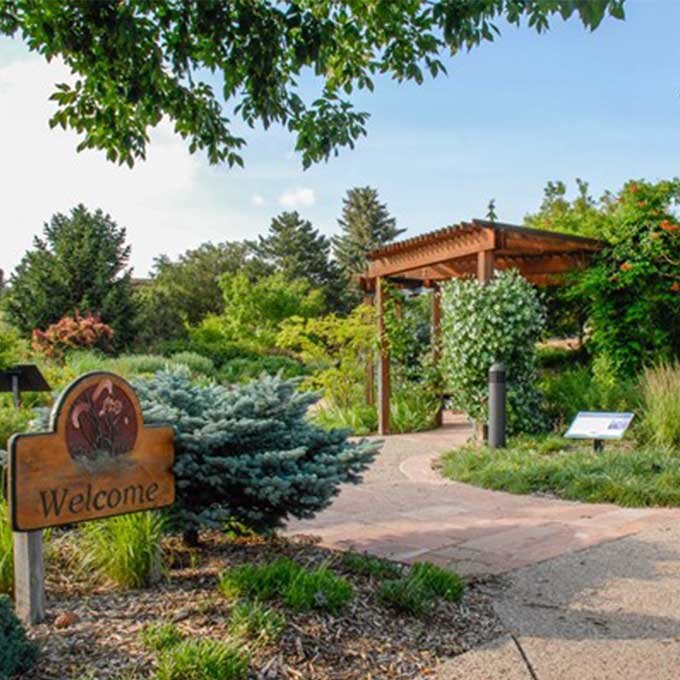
point(138, 61)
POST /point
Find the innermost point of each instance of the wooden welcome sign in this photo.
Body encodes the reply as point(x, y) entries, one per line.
point(98, 461)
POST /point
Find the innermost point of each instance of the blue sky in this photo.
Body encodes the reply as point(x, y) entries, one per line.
point(511, 115)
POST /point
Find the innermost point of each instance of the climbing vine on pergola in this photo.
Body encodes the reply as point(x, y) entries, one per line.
point(469, 249)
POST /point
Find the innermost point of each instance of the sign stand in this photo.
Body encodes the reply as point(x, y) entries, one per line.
point(599, 426)
point(29, 576)
point(98, 460)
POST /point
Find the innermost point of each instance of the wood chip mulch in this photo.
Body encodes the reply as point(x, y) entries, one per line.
point(93, 630)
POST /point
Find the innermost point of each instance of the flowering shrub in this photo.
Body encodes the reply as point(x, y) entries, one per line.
point(481, 324)
point(73, 332)
point(633, 291)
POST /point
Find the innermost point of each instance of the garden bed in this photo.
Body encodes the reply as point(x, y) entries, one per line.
point(94, 632)
point(623, 473)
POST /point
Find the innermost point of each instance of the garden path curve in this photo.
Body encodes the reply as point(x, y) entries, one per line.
point(405, 511)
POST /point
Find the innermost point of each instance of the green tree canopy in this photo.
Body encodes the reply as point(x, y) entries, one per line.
point(136, 62)
point(298, 251)
point(187, 290)
point(365, 224)
point(633, 290)
point(254, 310)
point(79, 264)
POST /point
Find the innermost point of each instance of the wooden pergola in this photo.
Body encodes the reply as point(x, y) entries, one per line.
point(469, 249)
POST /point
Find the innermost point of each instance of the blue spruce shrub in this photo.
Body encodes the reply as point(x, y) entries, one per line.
point(248, 452)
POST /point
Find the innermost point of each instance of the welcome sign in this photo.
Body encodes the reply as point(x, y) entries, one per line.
point(99, 460)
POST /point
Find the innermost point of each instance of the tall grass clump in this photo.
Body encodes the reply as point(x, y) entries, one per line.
point(660, 387)
point(203, 660)
point(6, 549)
point(125, 549)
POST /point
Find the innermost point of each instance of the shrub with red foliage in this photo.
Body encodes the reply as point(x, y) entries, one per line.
point(73, 332)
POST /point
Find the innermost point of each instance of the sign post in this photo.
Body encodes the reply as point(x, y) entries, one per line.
point(599, 426)
point(98, 460)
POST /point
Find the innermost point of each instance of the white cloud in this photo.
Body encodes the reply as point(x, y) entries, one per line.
point(167, 203)
point(257, 200)
point(301, 197)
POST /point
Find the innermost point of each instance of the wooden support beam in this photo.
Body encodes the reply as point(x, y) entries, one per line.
point(384, 378)
point(437, 336)
point(369, 379)
point(485, 265)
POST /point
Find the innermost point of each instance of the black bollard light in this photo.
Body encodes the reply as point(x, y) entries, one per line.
point(497, 401)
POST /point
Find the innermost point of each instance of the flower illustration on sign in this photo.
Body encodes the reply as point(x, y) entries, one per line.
point(102, 424)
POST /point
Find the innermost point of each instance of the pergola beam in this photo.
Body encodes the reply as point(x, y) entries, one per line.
point(464, 243)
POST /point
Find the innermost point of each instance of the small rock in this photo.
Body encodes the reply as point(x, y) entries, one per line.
point(65, 620)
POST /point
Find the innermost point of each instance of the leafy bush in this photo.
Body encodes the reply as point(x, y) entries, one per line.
point(248, 368)
point(12, 420)
point(442, 582)
point(585, 389)
point(125, 549)
point(251, 619)
point(6, 550)
point(203, 660)
point(210, 339)
point(10, 348)
point(483, 323)
point(660, 387)
point(632, 478)
point(18, 653)
point(633, 290)
point(73, 332)
point(368, 565)
point(195, 362)
point(413, 408)
point(299, 588)
point(159, 636)
point(360, 419)
point(248, 452)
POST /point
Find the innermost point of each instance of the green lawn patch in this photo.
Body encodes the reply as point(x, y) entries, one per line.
point(621, 474)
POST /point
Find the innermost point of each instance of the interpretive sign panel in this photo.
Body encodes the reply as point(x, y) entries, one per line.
point(99, 460)
point(599, 425)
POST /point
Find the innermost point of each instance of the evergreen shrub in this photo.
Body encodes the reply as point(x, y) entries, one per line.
point(17, 653)
point(248, 452)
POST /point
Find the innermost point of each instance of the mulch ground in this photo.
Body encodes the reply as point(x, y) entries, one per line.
point(93, 630)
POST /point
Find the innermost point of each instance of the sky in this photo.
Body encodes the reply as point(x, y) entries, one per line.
point(510, 116)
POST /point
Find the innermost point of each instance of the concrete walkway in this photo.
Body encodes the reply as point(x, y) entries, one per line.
point(405, 511)
point(606, 613)
point(577, 603)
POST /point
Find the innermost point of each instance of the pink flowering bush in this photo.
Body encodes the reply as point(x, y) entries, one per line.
point(73, 332)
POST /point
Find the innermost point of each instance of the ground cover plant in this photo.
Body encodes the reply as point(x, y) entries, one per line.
point(157, 628)
point(624, 473)
point(299, 588)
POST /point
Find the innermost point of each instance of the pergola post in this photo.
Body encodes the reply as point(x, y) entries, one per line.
point(485, 265)
point(384, 382)
point(369, 381)
point(436, 303)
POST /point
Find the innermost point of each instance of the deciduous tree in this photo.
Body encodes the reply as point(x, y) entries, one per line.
point(139, 61)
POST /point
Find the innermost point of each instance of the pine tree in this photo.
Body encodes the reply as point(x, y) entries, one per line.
point(365, 224)
point(79, 264)
point(248, 453)
point(295, 249)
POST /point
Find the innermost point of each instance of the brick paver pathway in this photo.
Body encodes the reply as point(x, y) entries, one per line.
point(405, 511)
